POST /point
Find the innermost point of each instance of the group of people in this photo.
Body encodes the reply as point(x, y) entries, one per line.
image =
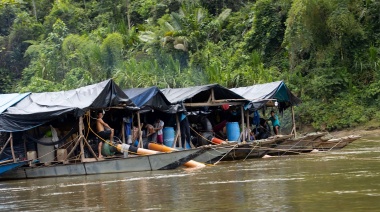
point(263, 130)
point(154, 132)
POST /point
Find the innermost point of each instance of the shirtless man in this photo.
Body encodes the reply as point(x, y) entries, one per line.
point(104, 131)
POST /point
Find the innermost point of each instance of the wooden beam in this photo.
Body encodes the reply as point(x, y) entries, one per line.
point(178, 134)
point(6, 143)
point(141, 145)
point(203, 104)
point(123, 131)
point(248, 124)
point(294, 123)
point(81, 136)
point(90, 148)
point(242, 123)
point(73, 149)
point(12, 150)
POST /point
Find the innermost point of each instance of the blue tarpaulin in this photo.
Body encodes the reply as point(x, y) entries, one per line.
point(151, 98)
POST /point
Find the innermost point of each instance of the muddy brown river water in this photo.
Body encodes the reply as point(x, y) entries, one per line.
point(344, 180)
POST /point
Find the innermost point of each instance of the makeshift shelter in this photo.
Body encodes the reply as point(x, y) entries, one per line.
point(151, 99)
point(39, 108)
point(199, 98)
point(268, 93)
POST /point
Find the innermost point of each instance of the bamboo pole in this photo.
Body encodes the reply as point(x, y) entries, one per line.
point(73, 149)
point(81, 138)
point(242, 123)
point(248, 124)
point(139, 126)
point(294, 123)
point(178, 134)
point(5, 145)
point(25, 149)
point(12, 150)
point(90, 148)
point(123, 131)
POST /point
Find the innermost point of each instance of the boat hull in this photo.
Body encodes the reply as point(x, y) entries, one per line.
point(162, 161)
point(213, 154)
point(9, 166)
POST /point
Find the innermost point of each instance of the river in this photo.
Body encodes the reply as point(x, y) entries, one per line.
point(344, 180)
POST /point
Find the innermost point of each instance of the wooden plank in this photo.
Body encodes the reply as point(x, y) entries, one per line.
point(12, 150)
point(203, 104)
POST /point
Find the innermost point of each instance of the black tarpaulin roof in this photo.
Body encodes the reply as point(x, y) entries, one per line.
point(39, 108)
point(200, 94)
point(260, 94)
point(151, 98)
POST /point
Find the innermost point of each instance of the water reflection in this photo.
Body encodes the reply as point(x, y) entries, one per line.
point(342, 180)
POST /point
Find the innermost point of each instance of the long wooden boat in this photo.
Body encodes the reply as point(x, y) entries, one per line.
point(161, 161)
point(321, 141)
point(335, 143)
point(255, 149)
point(214, 153)
point(9, 166)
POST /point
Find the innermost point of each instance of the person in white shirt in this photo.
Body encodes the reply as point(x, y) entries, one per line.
point(158, 126)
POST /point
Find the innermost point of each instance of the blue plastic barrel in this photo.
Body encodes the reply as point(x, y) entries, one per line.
point(168, 136)
point(233, 131)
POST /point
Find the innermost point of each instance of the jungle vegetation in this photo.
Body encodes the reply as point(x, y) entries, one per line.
point(326, 51)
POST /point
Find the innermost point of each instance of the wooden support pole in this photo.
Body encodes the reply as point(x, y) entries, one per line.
point(141, 145)
point(12, 150)
point(123, 131)
point(25, 149)
point(248, 124)
point(242, 123)
point(6, 143)
point(178, 134)
point(73, 149)
point(81, 138)
point(90, 148)
point(294, 123)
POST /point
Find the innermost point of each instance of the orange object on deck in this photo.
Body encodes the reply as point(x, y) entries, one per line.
point(140, 151)
point(162, 148)
point(216, 140)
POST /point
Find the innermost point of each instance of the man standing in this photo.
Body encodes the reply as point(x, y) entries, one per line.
point(275, 122)
point(158, 126)
point(104, 131)
point(185, 130)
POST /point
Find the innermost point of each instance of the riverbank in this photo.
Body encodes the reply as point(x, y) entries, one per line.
point(355, 131)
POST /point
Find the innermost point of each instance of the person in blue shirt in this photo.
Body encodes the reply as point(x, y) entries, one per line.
point(275, 122)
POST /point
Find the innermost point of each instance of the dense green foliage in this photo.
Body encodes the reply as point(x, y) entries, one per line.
point(327, 51)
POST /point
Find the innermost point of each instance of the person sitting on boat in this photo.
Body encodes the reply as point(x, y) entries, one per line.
point(136, 132)
point(151, 133)
point(104, 131)
point(275, 122)
point(263, 131)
